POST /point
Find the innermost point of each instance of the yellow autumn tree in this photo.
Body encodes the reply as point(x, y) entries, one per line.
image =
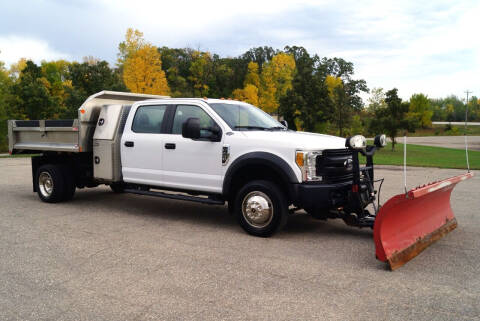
point(332, 83)
point(267, 94)
point(248, 94)
point(142, 72)
point(252, 77)
point(133, 41)
point(16, 68)
point(276, 78)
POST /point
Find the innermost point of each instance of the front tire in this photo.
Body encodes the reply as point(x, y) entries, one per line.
point(50, 183)
point(261, 208)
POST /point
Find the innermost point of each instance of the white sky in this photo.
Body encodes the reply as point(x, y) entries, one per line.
point(430, 47)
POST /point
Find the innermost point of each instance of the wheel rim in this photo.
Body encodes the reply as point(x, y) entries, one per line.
point(257, 209)
point(45, 184)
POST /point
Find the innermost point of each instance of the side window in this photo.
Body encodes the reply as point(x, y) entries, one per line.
point(185, 112)
point(149, 119)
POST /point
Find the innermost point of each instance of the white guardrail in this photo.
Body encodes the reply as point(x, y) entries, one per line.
point(462, 123)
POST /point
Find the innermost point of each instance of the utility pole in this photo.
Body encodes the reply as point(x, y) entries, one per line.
point(467, 92)
point(465, 132)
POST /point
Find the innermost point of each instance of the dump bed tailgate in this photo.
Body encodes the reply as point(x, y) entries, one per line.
point(43, 135)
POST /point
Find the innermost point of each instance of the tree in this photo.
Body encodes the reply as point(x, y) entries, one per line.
point(392, 118)
point(221, 83)
point(143, 72)
point(85, 79)
point(282, 68)
point(267, 100)
point(276, 80)
point(200, 72)
point(307, 103)
point(176, 64)
point(31, 97)
point(249, 94)
point(376, 100)
point(5, 88)
point(260, 55)
point(16, 68)
point(133, 42)
point(420, 110)
point(474, 109)
point(252, 77)
point(344, 97)
point(336, 93)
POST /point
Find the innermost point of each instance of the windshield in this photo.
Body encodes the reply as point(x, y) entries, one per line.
point(245, 117)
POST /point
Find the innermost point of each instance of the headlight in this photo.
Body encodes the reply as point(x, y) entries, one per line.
point(356, 142)
point(380, 140)
point(307, 162)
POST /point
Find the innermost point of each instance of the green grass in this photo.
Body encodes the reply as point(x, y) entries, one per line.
point(427, 156)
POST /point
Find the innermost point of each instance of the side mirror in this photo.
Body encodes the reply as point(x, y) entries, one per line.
point(191, 128)
point(380, 141)
point(284, 123)
point(216, 133)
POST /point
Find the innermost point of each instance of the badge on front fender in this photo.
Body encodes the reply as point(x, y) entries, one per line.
point(225, 154)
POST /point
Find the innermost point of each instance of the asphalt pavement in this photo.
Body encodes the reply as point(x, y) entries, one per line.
point(105, 256)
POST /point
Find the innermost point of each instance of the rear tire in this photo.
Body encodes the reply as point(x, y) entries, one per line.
point(50, 183)
point(261, 208)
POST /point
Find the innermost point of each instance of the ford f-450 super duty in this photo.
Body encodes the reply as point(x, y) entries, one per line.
point(212, 151)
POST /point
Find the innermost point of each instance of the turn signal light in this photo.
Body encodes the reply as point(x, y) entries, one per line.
point(299, 159)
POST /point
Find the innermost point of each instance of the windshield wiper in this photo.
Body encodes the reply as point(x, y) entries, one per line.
point(277, 128)
point(251, 127)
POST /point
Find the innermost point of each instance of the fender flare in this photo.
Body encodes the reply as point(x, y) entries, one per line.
point(277, 164)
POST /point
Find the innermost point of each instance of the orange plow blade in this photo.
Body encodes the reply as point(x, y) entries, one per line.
point(406, 224)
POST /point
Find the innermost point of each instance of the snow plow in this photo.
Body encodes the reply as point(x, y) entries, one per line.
point(407, 223)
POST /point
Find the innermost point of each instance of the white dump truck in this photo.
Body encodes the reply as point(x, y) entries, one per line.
point(216, 151)
point(212, 151)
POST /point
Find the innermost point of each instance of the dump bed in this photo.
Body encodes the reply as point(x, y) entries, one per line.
point(43, 135)
point(69, 135)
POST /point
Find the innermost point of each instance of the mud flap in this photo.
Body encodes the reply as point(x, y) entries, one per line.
point(407, 224)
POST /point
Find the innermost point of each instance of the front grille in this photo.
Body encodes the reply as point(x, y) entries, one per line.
point(333, 166)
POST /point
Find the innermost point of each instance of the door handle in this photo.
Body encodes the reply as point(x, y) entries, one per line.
point(170, 146)
point(129, 144)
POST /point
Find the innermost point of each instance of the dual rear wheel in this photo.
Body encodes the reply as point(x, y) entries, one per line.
point(55, 183)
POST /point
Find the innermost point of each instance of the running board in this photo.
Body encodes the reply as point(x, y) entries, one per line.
point(203, 200)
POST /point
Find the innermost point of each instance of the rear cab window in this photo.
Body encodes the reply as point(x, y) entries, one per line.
point(149, 119)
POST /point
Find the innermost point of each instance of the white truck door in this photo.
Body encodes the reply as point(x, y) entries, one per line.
point(192, 164)
point(142, 145)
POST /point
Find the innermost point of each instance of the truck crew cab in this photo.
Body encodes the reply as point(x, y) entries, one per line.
point(205, 150)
